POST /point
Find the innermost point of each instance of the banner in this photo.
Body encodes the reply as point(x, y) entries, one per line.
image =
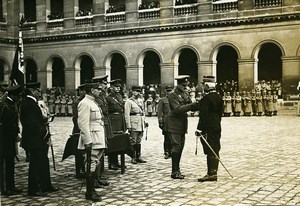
point(17, 71)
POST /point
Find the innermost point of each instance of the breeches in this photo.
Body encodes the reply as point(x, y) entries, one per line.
point(136, 137)
point(213, 138)
point(96, 155)
point(177, 142)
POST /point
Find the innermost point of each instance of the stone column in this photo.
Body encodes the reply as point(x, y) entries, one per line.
point(290, 74)
point(100, 7)
point(45, 77)
point(134, 74)
point(13, 17)
point(204, 9)
point(73, 82)
point(69, 14)
point(246, 74)
point(131, 14)
point(167, 74)
point(166, 11)
point(41, 15)
point(206, 68)
point(101, 71)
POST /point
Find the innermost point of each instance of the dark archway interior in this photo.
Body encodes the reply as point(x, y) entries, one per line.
point(31, 71)
point(86, 69)
point(269, 63)
point(118, 68)
point(58, 73)
point(151, 74)
point(30, 10)
point(227, 65)
point(188, 65)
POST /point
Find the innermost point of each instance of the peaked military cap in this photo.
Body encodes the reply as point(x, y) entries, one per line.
point(2, 84)
point(100, 79)
point(115, 82)
point(168, 88)
point(15, 90)
point(136, 88)
point(183, 79)
point(33, 85)
point(81, 87)
point(208, 79)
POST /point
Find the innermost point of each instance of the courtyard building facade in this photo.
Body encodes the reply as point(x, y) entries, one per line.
point(150, 42)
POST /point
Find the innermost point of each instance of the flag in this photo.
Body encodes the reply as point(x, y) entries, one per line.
point(17, 71)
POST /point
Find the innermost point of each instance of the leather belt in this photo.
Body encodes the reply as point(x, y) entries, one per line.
point(135, 114)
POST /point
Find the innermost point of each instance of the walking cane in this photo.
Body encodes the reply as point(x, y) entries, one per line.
point(203, 138)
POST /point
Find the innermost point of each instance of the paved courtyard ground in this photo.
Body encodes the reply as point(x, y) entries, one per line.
point(262, 154)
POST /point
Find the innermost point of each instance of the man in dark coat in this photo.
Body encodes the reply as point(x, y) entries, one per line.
point(9, 135)
point(163, 109)
point(116, 115)
point(210, 113)
point(177, 122)
point(35, 137)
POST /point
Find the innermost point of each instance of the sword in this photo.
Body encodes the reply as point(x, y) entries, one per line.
point(51, 146)
point(203, 138)
point(88, 166)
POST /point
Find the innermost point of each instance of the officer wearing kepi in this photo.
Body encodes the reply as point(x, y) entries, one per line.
point(177, 122)
point(116, 115)
point(209, 125)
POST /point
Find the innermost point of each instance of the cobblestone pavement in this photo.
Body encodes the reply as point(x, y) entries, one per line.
point(262, 154)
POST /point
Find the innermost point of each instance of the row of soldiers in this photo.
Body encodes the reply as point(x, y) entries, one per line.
point(255, 103)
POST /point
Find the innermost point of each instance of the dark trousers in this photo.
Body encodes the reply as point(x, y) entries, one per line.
point(167, 142)
point(213, 139)
point(39, 171)
point(7, 173)
point(177, 142)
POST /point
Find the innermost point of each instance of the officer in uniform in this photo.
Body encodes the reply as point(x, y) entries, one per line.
point(9, 135)
point(210, 114)
point(177, 122)
point(35, 137)
point(91, 139)
point(163, 109)
point(102, 104)
point(135, 123)
point(116, 115)
point(79, 160)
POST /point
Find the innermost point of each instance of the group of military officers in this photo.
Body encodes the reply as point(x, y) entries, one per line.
point(97, 117)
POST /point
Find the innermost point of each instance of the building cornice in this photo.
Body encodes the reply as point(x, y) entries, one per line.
point(157, 29)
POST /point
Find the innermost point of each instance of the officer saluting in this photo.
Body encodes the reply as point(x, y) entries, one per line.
point(177, 122)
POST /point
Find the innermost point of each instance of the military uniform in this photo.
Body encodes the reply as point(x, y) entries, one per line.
point(116, 115)
point(135, 123)
point(9, 131)
point(210, 114)
point(163, 109)
point(35, 140)
point(177, 122)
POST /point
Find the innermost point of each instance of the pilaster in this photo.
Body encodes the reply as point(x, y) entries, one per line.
point(134, 75)
point(290, 74)
point(246, 74)
point(167, 74)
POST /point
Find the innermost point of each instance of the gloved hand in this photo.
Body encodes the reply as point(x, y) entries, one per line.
point(88, 147)
point(198, 133)
point(160, 125)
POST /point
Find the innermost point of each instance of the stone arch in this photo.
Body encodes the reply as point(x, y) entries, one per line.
point(111, 66)
point(255, 55)
point(49, 68)
point(218, 67)
point(176, 58)
point(89, 62)
point(31, 70)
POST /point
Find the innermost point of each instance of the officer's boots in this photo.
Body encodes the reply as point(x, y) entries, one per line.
point(212, 169)
point(176, 174)
point(79, 166)
point(91, 193)
point(138, 154)
point(133, 156)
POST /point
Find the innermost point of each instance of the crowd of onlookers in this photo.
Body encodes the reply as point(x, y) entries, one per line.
point(58, 15)
point(84, 13)
point(262, 100)
point(149, 5)
point(115, 8)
